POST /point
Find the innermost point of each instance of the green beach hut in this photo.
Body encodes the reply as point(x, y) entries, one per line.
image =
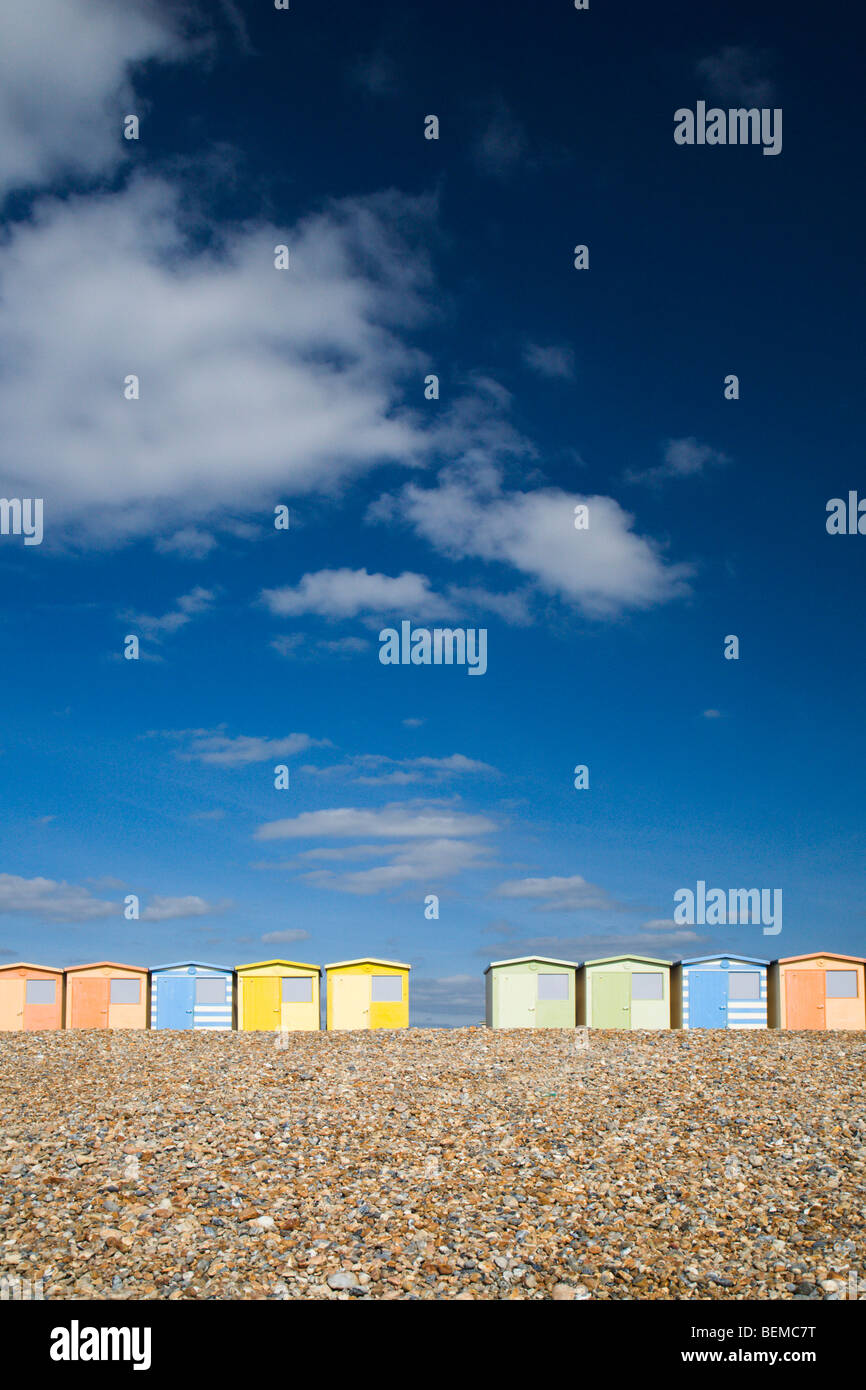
point(531, 992)
point(625, 992)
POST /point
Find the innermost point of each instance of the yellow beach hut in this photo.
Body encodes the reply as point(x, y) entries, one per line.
point(278, 994)
point(368, 993)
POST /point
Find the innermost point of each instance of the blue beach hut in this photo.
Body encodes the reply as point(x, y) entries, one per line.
point(720, 992)
point(191, 994)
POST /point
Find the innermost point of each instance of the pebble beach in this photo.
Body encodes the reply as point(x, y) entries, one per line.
point(434, 1164)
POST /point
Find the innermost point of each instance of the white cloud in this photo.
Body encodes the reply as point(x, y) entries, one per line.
point(189, 543)
point(502, 143)
point(57, 901)
point(426, 862)
point(282, 938)
point(189, 606)
point(395, 821)
point(294, 377)
point(683, 458)
point(559, 894)
point(376, 769)
point(712, 714)
point(376, 74)
point(554, 362)
point(734, 74)
point(288, 643)
point(602, 569)
point(64, 82)
point(345, 593)
point(221, 750)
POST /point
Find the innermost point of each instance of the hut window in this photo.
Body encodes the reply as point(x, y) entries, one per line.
point(648, 984)
point(297, 989)
point(210, 991)
point(39, 992)
point(553, 986)
point(744, 984)
point(387, 989)
point(125, 991)
point(841, 984)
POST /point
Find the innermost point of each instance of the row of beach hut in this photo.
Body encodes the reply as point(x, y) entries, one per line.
point(815, 991)
point(730, 991)
point(263, 995)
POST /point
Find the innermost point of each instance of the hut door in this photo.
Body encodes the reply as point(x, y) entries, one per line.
point(352, 995)
point(89, 1005)
point(262, 1002)
point(804, 995)
point(11, 1004)
point(708, 998)
point(175, 1001)
point(518, 1000)
point(611, 999)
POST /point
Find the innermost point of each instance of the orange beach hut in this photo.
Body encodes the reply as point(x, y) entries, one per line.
point(31, 997)
point(817, 991)
point(106, 995)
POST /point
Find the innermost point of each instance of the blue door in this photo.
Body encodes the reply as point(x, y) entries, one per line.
point(175, 1001)
point(708, 998)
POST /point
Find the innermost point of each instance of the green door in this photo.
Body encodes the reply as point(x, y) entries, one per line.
point(517, 1001)
point(611, 999)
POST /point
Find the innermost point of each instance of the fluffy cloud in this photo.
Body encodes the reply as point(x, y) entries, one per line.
point(735, 74)
point(427, 862)
point(284, 938)
point(602, 570)
point(396, 821)
point(554, 362)
point(376, 769)
point(189, 543)
point(345, 593)
point(289, 379)
point(56, 901)
point(502, 143)
point(559, 894)
point(221, 750)
point(71, 902)
point(64, 82)
point(189, 606)
point(682, 458)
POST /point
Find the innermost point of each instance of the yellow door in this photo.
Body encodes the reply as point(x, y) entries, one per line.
point(351, 1007)
point(262, 1002)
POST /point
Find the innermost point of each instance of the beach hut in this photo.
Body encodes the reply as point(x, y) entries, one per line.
point(191, 994)
point(31, 997)
point(531, 992)
point(278, 994)
point(719, 992)
point(105, 995)
point(817, 991)
point(368, 993)
point(625, 992)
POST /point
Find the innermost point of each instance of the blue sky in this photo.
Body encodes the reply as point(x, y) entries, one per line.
point(305, 387)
